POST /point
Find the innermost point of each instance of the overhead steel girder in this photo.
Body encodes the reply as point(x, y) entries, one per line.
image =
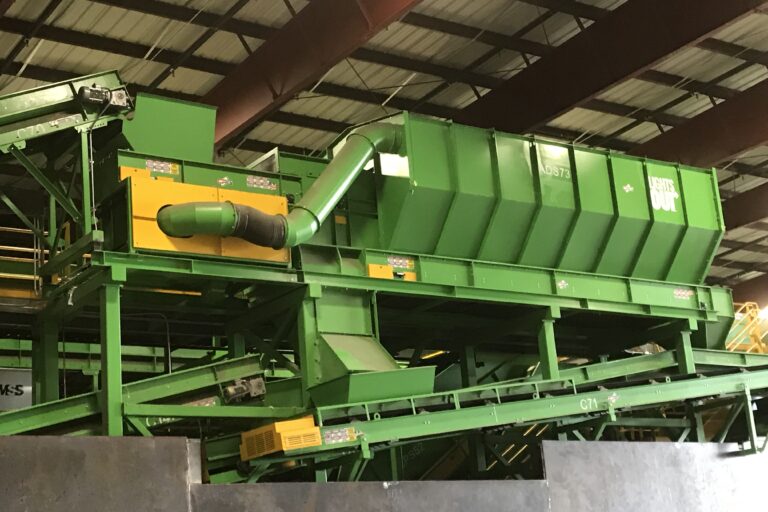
point(320, 35)
point(717, 134)
point(618, 46)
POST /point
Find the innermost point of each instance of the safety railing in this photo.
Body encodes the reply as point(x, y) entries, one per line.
point(747, 332)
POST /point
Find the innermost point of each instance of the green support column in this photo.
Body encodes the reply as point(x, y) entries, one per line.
point(394, 463)
point(309, 359)
point(85, 165)
point(685, 360)
point(697, 424)
point(52, 226)
point(468, 367)
point(111, 375)
point(698, 428)
point(477, 459)
point(547, 347)
point(754, 446)
point(45, 362)
point(235, 344)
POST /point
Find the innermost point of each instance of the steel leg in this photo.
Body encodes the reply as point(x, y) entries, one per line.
point(111, 376)
point(45, 362)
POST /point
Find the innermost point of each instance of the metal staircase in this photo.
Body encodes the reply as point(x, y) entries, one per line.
point(747, 332)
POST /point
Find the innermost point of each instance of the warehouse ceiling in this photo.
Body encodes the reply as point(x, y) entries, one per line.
point(675, 79)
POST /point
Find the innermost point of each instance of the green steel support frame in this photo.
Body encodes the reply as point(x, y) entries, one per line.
point(111, 374)
point(45, 361)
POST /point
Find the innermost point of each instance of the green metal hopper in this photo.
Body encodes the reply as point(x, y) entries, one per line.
point(472, 193)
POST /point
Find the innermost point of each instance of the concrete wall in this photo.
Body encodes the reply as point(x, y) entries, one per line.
point(83, 474)
point(654, 477)
point(162, 474)
point(485, 496)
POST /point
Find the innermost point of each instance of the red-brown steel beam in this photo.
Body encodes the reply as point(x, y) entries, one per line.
point(320, 35)
point(621, 45)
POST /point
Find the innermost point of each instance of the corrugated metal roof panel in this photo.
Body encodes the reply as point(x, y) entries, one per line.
point(118, 23)
point(189, 81)
point(744, 234)
point(225, 46)
point(747, 78)
point(337, 109)
point(75, 58)
point(639, 93)
point(29, 10)
point(267, 12)
point(605, 4)
point(588, 122)
point(749, 31)
point(457, 96)
point(504, 64)
point(292, 135)
point(641, 133)
point(691, 106)
point(382, 79)
point(416, 42)
point(697, 64)
point(502, 16)
point(555, 30)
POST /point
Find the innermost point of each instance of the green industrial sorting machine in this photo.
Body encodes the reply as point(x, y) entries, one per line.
point(424, 300)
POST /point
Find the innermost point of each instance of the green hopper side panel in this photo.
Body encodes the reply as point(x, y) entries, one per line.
point(479, 194)
point(172, 128)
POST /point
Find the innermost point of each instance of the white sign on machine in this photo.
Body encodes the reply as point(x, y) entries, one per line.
point(15, 389)
point(663, 194)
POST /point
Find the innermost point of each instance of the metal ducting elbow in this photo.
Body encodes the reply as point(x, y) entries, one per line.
point(303, 221)
point(223, 219)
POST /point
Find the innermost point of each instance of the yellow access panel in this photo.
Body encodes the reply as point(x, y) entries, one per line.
point(149, 195)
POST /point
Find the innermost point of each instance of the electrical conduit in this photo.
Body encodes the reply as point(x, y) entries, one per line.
point(303, 221)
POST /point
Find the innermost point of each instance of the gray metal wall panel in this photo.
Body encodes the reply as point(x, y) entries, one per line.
point(155, 474)
point(487, 496)
point(100, 474)
point(653, 477)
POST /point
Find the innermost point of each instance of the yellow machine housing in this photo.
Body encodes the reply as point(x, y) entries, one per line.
point(280, 436)
point(149, 194)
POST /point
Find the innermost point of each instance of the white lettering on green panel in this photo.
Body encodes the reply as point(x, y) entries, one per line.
point(663, 194)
